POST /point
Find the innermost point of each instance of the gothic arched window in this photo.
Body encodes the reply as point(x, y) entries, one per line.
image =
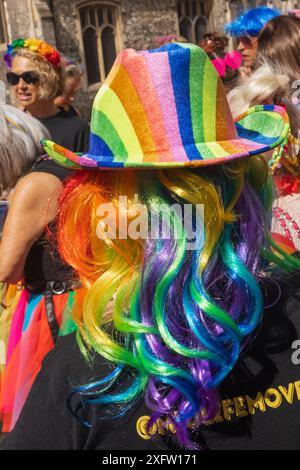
point(99, 25)
point(192, 20)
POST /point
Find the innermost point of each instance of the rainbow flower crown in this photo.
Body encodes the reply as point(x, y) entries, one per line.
point(35, 45)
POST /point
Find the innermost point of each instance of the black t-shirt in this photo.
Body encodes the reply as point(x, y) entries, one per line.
point(68, 130)
point(269, 372)
point(47, 424)
point(43, 262)
point(260, 399)
point(73, 111)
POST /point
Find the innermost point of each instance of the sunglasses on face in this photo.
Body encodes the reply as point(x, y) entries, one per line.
point(246, 40)
point(28, 77)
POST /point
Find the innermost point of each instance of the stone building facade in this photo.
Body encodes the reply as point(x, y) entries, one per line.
point(94, 31)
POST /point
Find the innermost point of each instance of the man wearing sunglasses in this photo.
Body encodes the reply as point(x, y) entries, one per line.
point(246, 29)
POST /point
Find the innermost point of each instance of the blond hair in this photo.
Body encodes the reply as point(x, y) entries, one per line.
point(261, 86)
point(51, 82)
point(20, 137)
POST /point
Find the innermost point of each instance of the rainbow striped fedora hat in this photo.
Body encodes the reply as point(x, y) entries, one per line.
point(167, 108)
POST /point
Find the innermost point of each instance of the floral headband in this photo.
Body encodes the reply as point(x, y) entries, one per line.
point(35, 45)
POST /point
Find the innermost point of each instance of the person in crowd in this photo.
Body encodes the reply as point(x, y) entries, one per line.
point(226, 64)
point(278, 46)
point(222, 43)
point(73, 73)
point(20, 149)
point(214, 44)
point(36, 76)
point(267, 86)
point(159, 359)
point(32, 318)
point(246, 29)
point(208, 44)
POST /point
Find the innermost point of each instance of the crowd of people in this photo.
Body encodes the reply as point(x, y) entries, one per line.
point(180, 338)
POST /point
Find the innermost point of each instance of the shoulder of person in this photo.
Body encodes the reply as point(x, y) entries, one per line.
point(31, 186)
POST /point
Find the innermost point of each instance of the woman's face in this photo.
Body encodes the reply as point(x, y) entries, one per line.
point(26, 93)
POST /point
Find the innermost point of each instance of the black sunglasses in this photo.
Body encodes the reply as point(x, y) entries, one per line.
point(29, 77)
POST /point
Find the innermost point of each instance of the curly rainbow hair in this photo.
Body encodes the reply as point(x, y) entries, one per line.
point(180, 318)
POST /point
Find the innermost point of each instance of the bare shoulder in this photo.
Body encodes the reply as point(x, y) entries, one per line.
point(37, 186)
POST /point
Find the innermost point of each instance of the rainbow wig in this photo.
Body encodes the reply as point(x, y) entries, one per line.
point(176, 319)
point(251, 22)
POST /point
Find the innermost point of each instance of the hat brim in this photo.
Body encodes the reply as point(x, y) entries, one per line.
point(260, 129)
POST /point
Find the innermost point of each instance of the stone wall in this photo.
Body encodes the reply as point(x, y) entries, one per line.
point(20, 18)
point(66, 27)
point(143, 20)
point(44, 22)
point(218, 15)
